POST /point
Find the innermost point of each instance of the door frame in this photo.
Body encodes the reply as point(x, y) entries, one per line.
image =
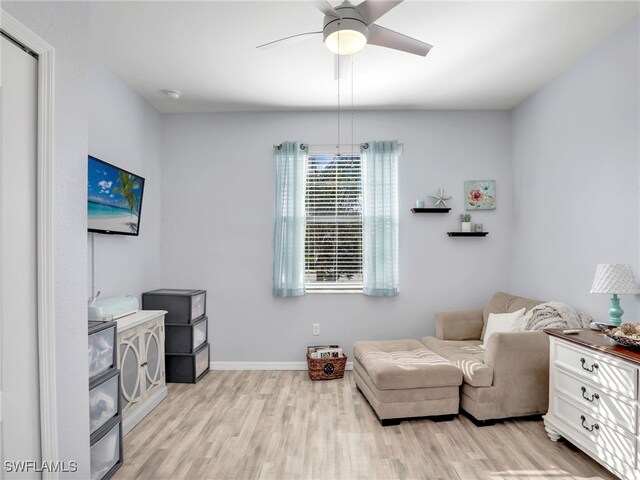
point(44, 229)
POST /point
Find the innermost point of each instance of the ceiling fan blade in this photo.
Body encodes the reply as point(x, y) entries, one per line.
point(384, 37)
point(342, 67)
point(292, 38)
point(325, 7)
point(372, 10)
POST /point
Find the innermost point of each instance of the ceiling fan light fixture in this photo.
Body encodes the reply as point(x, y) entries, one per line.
point(345, 36)
point(345, 42)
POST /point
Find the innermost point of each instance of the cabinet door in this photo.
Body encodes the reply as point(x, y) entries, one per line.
point(153, 366)
point(130, 358)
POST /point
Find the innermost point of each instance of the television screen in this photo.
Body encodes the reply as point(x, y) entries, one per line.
point(115, 199)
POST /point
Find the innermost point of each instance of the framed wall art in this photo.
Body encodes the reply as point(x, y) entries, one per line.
point(480, 194)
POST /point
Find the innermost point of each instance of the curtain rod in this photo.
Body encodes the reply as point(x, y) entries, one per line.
point(304, 146)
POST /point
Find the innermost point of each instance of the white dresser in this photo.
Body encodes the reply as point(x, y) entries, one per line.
point(594, 399)
point(141, 362)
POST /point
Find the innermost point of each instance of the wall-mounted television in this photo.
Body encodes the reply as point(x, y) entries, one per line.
point(114, 199)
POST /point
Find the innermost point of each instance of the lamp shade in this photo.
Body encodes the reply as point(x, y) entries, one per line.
point(615, 279)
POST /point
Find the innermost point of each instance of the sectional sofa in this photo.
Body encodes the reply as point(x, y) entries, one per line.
point(435, 376)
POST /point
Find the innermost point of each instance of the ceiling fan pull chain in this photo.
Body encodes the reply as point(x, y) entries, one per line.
point(339, 79)
point(352, 135)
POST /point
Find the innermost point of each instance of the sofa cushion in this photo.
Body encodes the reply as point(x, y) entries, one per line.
point(403, 364)
point(467, 355)
point(501, 322)
point(506, 303)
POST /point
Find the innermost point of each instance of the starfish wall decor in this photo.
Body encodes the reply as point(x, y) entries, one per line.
point(441, 198)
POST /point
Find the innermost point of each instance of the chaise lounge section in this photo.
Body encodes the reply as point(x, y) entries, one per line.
point(509, 377)
point(404, 379)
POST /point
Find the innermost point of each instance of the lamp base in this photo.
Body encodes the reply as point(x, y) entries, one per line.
point(615, 311)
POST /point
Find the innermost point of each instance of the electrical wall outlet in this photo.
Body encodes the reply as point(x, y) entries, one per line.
point(316, 329)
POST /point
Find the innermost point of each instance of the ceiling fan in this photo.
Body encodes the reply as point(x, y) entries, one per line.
point(347, 28)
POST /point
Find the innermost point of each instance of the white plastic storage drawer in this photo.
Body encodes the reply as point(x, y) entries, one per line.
point(103, 402)
point(199, 334)
point(106, 453)
point(187, 367)
point(202, 361)
point(101, 349)
point(185, 337)
point(182, 306)
point(197, 306)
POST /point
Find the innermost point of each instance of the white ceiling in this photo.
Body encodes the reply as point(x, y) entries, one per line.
point(486, 55)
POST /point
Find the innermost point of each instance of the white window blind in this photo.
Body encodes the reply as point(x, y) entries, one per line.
point(333, 237)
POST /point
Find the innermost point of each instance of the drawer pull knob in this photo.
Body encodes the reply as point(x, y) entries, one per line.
point(589, 369)
point(593, 427)
point(595, 396)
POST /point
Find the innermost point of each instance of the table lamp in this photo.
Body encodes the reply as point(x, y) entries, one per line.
point(616, 279)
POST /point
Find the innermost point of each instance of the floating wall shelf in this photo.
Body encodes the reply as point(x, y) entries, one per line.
point(431, 210)
point(467, 234)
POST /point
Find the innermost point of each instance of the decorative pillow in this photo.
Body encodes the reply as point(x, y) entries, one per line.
point(501, 322)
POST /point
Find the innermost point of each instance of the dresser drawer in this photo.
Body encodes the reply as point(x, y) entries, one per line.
point(601, 402)
point(600, 370)
point(597, 434)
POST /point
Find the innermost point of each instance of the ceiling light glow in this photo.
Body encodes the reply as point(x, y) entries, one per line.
point(345, 42)
point(345, 36)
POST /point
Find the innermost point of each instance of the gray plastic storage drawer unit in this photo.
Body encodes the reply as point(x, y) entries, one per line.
point(106, 450)
point(187, 367)
point(182, 306)
point(185, 337)
point(105, 411)
point(104, 399)
point(102, 352)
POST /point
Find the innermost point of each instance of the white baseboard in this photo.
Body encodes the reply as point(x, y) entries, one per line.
point(264, 366)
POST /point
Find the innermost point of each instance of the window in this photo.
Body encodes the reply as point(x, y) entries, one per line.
point(333, 236)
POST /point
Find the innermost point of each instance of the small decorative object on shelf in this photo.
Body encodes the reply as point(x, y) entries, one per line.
point(467, 234)
point(465, 218)
point(326, 362)
point(477, 227)
point(431, 210)
point(440, 198)
point(420, 203)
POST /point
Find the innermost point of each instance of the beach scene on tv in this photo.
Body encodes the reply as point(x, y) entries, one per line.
point(115, 198)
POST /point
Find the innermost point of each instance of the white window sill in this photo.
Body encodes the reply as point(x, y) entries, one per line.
point(334, 288)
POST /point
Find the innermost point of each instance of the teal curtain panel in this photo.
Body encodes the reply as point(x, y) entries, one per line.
point(288, 262)
point(380, 217)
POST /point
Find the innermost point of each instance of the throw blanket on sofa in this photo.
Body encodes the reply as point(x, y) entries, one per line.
point(552, 315)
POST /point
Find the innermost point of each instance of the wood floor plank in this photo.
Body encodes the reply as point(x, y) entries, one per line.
point(274, 425)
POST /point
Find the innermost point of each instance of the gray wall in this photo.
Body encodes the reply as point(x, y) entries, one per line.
point(65, 27)
point(125, 130)
point(576, 151)
point(217, 226)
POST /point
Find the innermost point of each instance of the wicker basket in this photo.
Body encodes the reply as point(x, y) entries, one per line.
point(326, 368)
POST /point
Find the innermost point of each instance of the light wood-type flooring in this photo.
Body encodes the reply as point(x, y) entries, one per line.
point(281, 425)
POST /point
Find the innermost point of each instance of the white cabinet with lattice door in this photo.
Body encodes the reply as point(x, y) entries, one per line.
point(141, 361)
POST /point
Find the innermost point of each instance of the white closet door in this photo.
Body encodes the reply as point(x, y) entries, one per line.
point(20, 433)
